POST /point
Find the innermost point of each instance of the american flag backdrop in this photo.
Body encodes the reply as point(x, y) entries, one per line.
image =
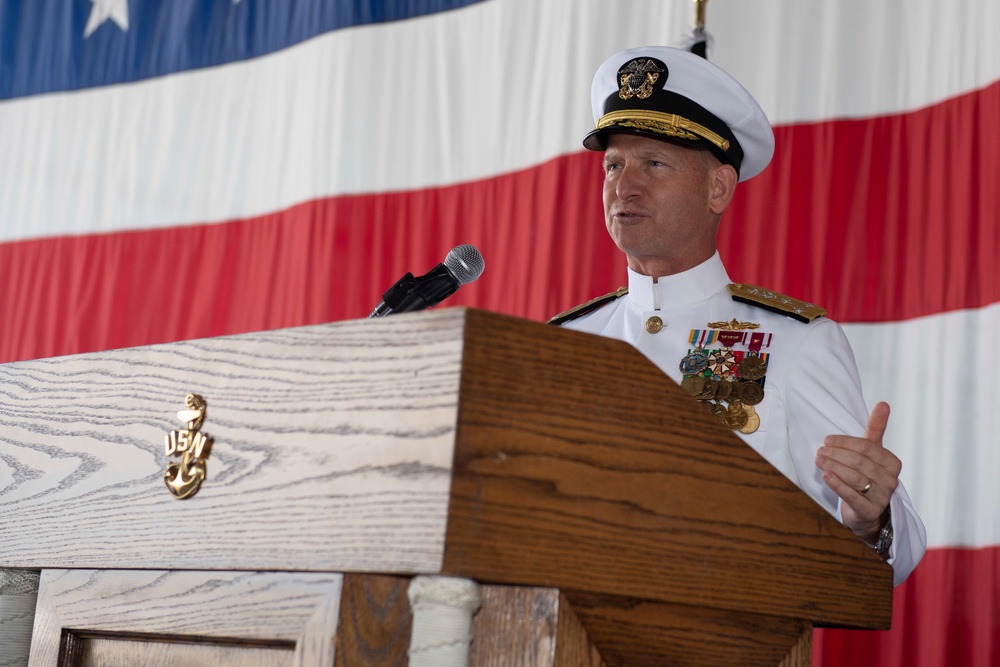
point(193, 168)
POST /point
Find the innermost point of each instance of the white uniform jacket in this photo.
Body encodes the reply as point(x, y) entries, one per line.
point(812, 386)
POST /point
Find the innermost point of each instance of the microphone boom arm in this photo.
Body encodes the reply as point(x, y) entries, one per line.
point(409, 293)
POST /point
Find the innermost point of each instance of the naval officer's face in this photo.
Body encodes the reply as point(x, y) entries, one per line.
point(657, 199)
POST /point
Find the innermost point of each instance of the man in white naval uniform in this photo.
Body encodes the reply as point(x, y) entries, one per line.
point(678, 134)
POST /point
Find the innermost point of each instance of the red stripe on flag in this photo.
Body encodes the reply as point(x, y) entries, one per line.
point(881, 219)
point(794, 229)
point(319, 261)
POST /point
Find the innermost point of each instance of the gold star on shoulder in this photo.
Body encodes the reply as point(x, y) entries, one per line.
point(778, 303)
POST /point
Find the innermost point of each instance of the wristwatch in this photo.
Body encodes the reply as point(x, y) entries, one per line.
point(884, 539)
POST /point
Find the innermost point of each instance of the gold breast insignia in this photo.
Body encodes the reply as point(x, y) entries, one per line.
point(733, 325)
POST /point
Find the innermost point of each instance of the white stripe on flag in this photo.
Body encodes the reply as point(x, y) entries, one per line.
point(939, 375)
point(457, 96)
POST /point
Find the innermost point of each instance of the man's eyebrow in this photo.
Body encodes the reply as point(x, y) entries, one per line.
point(647, 154)
point(654, 153)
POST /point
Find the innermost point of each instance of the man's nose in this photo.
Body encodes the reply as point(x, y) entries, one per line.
point(628, 184)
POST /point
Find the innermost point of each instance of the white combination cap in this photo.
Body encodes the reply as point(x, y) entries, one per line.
point(674, 95)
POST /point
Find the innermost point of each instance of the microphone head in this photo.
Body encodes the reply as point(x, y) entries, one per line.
point(465, 263)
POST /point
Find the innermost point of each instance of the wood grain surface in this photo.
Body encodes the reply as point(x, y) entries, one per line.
point(106, 651)
point(333, 450)
point(375, 622)
point(291, 613)
point(517, 626)
point(637, 632)
point(579, 464)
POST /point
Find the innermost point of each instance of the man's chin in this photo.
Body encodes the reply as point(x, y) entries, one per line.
point(631, 243)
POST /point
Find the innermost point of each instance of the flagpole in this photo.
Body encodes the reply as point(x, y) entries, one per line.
point(699, 15)
point(699, 38)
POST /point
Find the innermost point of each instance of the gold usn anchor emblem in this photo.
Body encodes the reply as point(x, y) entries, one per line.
point(184, 477)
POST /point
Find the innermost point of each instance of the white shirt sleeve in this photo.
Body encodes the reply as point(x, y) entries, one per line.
point(824, 397)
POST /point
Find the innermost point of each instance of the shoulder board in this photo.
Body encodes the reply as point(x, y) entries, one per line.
point(589, 307)
point(778, 303)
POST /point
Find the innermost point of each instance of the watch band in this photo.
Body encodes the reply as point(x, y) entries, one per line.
point(884, 539)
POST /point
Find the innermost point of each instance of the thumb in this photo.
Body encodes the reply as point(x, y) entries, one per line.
point(877, 421)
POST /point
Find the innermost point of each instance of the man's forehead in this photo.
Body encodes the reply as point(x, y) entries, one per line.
point(642, 146)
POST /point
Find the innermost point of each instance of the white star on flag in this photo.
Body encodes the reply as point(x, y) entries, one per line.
point(116, 10)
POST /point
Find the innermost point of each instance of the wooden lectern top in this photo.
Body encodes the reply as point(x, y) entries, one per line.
point(452, 441)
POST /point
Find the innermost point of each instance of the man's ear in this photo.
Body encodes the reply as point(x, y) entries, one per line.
point(722, 185)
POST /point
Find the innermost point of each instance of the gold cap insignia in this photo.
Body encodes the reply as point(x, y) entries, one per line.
point(638, 76)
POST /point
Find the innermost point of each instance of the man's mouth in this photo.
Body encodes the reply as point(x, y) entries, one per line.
point(627, 216)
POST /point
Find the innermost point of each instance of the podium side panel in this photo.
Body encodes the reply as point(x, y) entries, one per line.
point(184, 616)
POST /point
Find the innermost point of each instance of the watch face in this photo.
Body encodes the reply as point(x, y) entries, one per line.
point(884, 540)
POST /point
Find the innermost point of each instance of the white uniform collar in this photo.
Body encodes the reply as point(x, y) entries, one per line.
point(679, 290)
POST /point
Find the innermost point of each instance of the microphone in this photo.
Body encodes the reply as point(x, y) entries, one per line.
point(462, 265)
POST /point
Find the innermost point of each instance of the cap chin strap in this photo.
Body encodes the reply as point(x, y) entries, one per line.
point(669, 124)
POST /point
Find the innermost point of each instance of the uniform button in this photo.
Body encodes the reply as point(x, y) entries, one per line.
point(654, 324)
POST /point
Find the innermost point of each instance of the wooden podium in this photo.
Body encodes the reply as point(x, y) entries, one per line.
point(607, 518)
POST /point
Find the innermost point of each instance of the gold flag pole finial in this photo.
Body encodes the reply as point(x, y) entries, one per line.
point(699, 15)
